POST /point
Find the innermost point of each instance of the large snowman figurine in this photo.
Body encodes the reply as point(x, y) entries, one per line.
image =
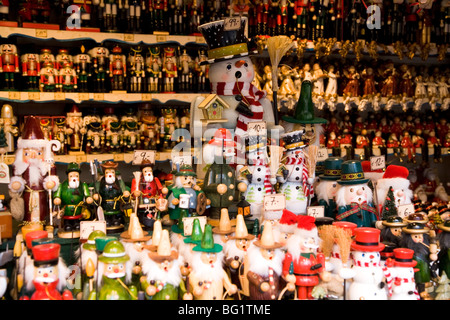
point(402, 272)
point(256, 176)
point(231, 73)
point(354, 197)
point(369, 277)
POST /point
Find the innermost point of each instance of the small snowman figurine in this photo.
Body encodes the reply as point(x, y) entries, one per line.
point(369, 280)
point(354, 197)
point(327, 187)
point(402, 272)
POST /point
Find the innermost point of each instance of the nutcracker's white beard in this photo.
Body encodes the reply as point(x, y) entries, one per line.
point(206, 271)
point(322, 190)
point(37, 168)
point(85, 256)
point(152, 270)
point(110, 179)
point(135, 256)
point(261, 265)
point(148, 177)
point(74, 183)
point(63, 270)
point(232, 251)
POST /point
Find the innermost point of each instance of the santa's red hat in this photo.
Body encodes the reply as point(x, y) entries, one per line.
point(306, 227)
point(395, 177)
point(287, 222)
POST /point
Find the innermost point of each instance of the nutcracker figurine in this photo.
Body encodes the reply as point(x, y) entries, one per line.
point(134, 15)
point(95, 134)
point(68, 80)
point(71, 196)
point(31, 70)
point(117, 68)
point(100, 65)
point(202, 71)
point(9, 65)
point(169, 69)
point(153, 64)
point(114, 137)
point(131, 132)
point(75, 129)
point(149, 131)
point(59, 133)
point(63, 58)
point(49, 79)
point(82, 65)
point(136, 67)
point(9, 124)
point(168, 123)
point(46, 56)
point(186, 67)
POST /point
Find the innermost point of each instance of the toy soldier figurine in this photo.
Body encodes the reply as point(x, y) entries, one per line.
point(168, 123)
point(9, 65)
point(33, 173)
point(49, 79)
point(100, 62)
point(82, 65)
point(8, 122)
point(95, 135)
point(136, 66)
point(75, 129)
point(67, 78)
point(70, 196)
point(150, 193)
point(31, 70)
point(63, 58)
point(149, 131)
point(111, 192)
point(131, 132)
point(154, 69)
point(118, 68)
point(170, 69)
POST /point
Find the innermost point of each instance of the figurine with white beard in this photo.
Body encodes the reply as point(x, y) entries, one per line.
point(208, 279)
point(354, 197)
point(285, 228)
point(327, 187)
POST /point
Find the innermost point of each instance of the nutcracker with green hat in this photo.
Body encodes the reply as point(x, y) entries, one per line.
point(71, 196)
point(112, 273)
point(163, 279)
point(326, 188)
point(354, 197)
point(186, 197)
point(186, 244)
point(208, 279)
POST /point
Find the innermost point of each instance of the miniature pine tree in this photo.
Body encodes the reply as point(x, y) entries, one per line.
point(389, 208)
point(443, 288)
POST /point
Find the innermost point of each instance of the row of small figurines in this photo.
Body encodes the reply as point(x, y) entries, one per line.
point(143, 69)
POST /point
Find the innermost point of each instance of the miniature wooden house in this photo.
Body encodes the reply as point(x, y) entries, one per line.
point(212, 108)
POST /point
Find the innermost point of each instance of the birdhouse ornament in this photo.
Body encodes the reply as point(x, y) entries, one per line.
point(231, 73)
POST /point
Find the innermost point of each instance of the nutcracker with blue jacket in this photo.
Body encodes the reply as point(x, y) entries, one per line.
point(256, 180)
point(100, 67)
point(9, 65)
point(71, 197)
point(111, 193)
point(327, 187)
point(220, 180)
point(150, 194)
point(354, 197)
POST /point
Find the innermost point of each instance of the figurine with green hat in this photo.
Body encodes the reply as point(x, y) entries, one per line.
point(111, 274)
point(88, 256)
point(208, 279)
point(71, 196)
point(186, 197)
point(327, 186)
point(354, 197)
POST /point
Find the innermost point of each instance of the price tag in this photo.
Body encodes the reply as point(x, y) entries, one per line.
point(82, 96)
point(14, 95)
point(87, 227)
point(99, 96)
point(232, 23)
point(81, 158)
point(34, 96)
point(257, 128)
point(200, 39)
point(178, 161)
point(322, 154)
point(60, 96)
point(161, 38)
point(377, 162)
point(405, 210)
point(118, 157)
point(41, 33)
point(141, 155)
point(188, 222)
point(146, 97)
point(274, 202)
point(316, 211)
point(128, 37)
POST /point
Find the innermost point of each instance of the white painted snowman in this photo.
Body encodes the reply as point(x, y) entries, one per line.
point(257, 179)
point(231, 74)
point(369, 277)
point(295, 177)
point(402, 272)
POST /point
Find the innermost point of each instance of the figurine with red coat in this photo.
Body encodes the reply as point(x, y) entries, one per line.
point(47, 274)
point(346, 142)
point(394, 143)
point(397, 127)
point(333, 144)
point(408, 145)
point(9, 64)
point(379, 143)
point(302, 255)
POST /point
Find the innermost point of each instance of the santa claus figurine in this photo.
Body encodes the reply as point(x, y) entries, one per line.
point(402, 272)
point(302, 264)
point(354, 197)
point(34, 173)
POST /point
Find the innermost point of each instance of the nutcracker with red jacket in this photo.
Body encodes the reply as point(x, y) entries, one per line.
point(75, 129)
point(82, 65)
point(4, 10)
point(378, 143)
point(35, 11)
point(136, 68)
point(302, 255)
point(49, 79)
point(262, 16)
point(408, 146)
point(68, 80)
point(49, 279)
point(117, 68)
point(169, 69)
point(9, 65)
point(100, 65)
point(149, 193)
point(63, 58)
point(301, 16)
point(34, 175)
point(31, 69)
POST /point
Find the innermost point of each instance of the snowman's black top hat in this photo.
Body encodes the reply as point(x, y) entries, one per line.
point(224, 44)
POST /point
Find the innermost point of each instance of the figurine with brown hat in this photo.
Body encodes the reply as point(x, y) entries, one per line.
point(265, 267)
point(391, 230)
point(112, 191)
point(236, 253)
point(162, 275)
point(416, 237)
point(208, 279)
point(225, 229)
point(34, 174)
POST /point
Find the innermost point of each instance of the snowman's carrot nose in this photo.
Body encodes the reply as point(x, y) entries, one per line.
point(239, 63)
